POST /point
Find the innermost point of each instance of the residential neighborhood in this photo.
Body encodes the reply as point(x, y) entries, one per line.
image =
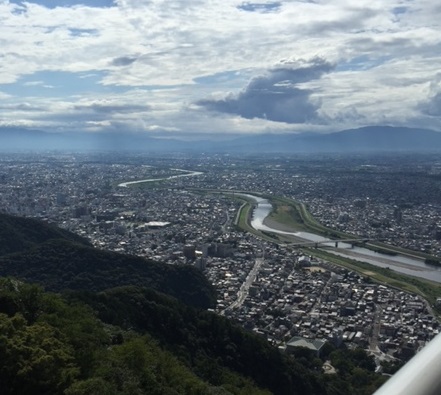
point(186, 211)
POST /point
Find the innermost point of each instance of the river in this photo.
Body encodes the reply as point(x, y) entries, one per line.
point(186, 173)
point(400, 263)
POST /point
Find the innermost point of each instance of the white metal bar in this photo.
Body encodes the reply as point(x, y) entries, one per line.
point(420, 376)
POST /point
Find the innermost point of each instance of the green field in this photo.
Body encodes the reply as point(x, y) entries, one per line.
point(288, 215)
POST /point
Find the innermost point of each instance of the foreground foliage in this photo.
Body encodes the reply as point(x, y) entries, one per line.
point(133, 340)
point(97, 339)
point(49, 346)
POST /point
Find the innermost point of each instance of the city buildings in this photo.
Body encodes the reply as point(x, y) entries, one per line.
point(271, 289)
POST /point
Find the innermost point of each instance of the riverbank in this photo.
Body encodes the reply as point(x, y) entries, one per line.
point(292, 216)
point(430, 290)
point(186, 173)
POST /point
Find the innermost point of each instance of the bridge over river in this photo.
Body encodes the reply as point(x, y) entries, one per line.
point(348, 247)
point(316, 244)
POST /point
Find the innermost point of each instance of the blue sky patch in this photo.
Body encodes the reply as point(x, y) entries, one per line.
point(400, 10)
point(363, 62)
point(83, 32)
point(65, 84)
point(58, 83)
point(218, 77)
point(260, 7)
point(67, 3)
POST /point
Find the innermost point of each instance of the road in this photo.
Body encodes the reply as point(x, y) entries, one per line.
point(373, 343)
point(244, 289)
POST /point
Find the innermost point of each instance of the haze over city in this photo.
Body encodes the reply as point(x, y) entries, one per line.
point(219, 69)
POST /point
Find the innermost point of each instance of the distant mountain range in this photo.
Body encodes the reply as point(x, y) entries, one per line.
point(366, 139)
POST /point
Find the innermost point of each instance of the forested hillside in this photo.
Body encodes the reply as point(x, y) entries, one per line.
point(18, 234)
point(60, 264)
point(49, 346)
point(207, 342)
point(109, 331)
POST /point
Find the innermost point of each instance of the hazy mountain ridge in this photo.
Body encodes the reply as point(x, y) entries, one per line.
point(366, 139)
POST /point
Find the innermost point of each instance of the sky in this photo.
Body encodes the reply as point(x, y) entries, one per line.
point(219, 68)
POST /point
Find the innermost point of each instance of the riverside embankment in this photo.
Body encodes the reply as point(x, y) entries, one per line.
point(261, 220)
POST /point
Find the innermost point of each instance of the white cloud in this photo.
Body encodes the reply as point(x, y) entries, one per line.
point(386, 56)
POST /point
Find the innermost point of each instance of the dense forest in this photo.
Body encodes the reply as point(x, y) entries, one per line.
point(59, 260)
point(120, 324)
point(18, 234)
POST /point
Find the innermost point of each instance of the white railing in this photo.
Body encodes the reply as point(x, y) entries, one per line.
point(420, 376)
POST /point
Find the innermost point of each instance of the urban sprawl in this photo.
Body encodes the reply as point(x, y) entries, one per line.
point(279, 292)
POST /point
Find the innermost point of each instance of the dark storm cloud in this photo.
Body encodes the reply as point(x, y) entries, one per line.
point(275, 96)
point(124, 61)
point(432, 107)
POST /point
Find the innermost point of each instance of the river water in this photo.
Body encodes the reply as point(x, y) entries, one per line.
point(400, 263)
point(186, 173)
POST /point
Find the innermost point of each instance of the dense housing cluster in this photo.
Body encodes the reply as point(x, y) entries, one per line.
point(270, 289)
